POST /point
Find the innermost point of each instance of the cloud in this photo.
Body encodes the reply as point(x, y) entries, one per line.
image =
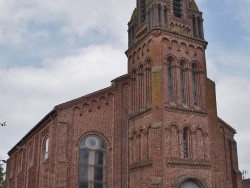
point(29, 93)
point(73, 18)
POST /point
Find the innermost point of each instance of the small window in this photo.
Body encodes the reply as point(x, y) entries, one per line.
point(185, 143)
point(92, 163)
point(195, 84)
point(183, 84)
point(46, 149)
point(170, 80)
point(31, 157)
point(19, 163)
point(177, 8)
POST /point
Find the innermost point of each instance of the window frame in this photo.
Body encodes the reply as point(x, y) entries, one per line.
point(92, 162)
point(46, 149)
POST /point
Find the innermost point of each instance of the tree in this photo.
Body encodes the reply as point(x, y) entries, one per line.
point(2, 174)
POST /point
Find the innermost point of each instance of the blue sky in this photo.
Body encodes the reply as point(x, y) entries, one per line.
point(54, 51)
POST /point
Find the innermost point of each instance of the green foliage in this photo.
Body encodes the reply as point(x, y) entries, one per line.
point(2, 174)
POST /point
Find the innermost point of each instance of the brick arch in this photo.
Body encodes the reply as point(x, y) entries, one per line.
point(184, 46)
point(222, 130)
point(94, 104)
point(195, 63)
point(94, 132)
point(148, 61)
point(134, 57)
point(175, 42)
point(184, 61)
point(199, 127)
point(198, 180)
point(165, 39)
point(200, 144)
point(174, 58)
point(139, 52)
point(188, 127)
point(191, 49)
point(149, 44)
point(77, 111)
point(199, 49)
point(144, 46)
point(140, 66)
point(86, 106)
point(174, 141)
point(101, 101)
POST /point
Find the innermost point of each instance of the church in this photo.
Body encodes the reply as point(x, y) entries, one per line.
point(154, 127)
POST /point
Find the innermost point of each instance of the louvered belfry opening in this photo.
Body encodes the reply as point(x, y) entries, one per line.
point(177, 8)
point(143, 10)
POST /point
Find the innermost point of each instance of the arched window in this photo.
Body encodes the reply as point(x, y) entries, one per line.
point(183, 84)
point(189, 184)
point(92, 163)
point(194, 26)
point(200, 33)
point(177, 8)
point(185, 143)
point(159, 15)
point(46, 149)
point(195, 83)
point(19, 163)
point(31, 157)
point(165, 16)
point(170, 80)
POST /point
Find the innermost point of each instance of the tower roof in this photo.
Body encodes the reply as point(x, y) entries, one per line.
point(133, 14)
point(193, 5)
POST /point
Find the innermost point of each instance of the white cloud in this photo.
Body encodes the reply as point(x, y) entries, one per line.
point(29, 93)
point(74, 17)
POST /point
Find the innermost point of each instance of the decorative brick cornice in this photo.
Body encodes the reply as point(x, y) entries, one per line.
point(188, 163)
point(141, 164)
point(184, 110)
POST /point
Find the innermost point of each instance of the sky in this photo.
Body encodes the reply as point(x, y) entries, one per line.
point(55, 51)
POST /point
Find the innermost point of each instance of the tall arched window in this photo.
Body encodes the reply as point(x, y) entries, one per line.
point(185, 143)
point(194, 26)
point(46, 149)
point(183, 84)
point(200, 35)
point(19, 168)
point(159, 15)
point(92, 163)
point(31, 157)
point(165, 16)
point(170, 80)
point(195, 83)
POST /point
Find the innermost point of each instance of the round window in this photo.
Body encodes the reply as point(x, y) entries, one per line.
point(92, 142)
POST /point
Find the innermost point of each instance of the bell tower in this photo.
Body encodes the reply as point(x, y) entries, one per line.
point(175, 136)
point(168, 128)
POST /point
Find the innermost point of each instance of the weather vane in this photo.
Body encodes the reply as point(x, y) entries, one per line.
point(244, 174)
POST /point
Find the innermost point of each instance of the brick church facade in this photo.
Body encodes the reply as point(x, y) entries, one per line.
point(156, 126)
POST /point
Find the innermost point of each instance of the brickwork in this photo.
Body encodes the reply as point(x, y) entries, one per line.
point(159, 121)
